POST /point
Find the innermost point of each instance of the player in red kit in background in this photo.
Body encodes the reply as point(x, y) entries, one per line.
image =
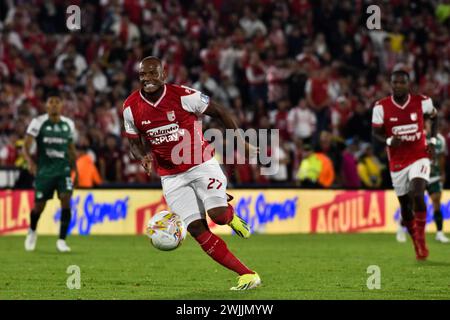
point(165, 115)
point(398, 122)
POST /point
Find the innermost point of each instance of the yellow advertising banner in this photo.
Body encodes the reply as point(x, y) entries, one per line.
point(269, 211)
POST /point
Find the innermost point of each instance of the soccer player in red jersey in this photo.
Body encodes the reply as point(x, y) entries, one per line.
point(166, 115)
point(398, 122)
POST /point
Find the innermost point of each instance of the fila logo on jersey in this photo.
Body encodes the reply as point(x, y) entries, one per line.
point(146, 122)
point(171, 115)
point(414, 116)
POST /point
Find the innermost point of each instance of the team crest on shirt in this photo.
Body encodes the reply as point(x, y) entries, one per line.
point(413, 116)
point(171, 115)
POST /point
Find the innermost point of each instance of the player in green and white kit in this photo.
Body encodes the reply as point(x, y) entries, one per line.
point(54, 136)
point(435, 186)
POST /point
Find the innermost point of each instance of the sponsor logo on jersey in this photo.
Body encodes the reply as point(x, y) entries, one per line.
point(411, 137)
point(167, 133)
point(393, 119)
point(51, 153)
point(405, 129)
point(146, 122)
point(171, 115)
point(162, 131)
point(54, 140)
point(414, 116)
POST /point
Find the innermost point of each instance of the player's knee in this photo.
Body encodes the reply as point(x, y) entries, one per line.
point(216, 212)
point(221, 215)
point(418, 195)
point(38, 208)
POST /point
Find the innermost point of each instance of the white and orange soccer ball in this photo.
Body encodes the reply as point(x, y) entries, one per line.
point(166, 231)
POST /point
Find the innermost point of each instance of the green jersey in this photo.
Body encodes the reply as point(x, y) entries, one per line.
point(441, 149)
point(52, 141)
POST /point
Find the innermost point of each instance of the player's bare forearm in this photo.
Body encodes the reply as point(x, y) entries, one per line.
point(27, 147)
point(139, 151)
point(72, 153)
point(137, 148)
point(219, 112)
point(379, 135)
point(442, 164)
point(29, 140)
point(434, 125)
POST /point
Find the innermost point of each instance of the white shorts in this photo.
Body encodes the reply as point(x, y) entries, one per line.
point(202, 187)
point(401, 179)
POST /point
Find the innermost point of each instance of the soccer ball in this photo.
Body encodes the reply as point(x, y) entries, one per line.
point(166, 230)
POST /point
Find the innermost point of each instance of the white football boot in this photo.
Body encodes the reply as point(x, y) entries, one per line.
point(440, 236)
point(62, 246)
point(401, 234)
point(30, 240)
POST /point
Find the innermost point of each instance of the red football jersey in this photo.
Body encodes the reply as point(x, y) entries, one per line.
point(171, 121)
point(407, 122)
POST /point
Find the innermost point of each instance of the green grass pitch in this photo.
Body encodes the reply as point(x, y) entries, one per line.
point(291, 267)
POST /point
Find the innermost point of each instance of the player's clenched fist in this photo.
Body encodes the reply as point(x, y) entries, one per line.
point(146, 162)
point(396, 141)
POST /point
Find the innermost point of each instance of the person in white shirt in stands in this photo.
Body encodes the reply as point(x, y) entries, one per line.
point(301, 121)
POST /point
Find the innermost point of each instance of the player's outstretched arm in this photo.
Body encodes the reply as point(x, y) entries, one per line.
point(29, 140)
point(139, 152)
point(219, 112)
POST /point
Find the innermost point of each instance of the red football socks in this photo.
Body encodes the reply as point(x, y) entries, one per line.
point(217, 249)
point(416, 229)
point(411, 227)
point(421, 220)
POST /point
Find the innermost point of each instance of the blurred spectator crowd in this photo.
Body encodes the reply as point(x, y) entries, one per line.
point(310, 68)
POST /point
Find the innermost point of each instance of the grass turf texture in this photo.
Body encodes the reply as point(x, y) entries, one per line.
point(291, 267)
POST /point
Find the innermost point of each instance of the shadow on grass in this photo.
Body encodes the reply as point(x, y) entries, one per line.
point(432, 263)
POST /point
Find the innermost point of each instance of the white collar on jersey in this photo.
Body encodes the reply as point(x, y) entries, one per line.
point(157, 102)
point(401, 106)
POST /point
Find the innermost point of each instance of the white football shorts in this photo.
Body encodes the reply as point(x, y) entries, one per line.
point(190, 194)
point(401, 180)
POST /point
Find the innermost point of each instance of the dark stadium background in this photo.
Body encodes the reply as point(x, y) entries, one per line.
point(255, 57)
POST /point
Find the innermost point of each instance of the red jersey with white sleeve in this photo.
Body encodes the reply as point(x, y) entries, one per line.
point(407, 122)
point(171, 121)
